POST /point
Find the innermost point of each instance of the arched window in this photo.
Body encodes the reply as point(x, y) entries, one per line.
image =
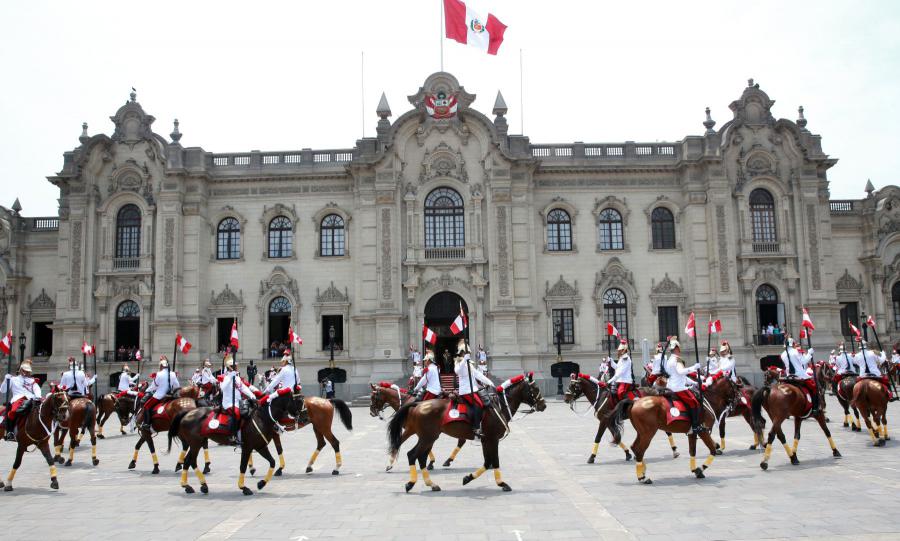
point(895, 299)
point(280, 305)
point(762, 216)
point(332, 236)
point(663, 228)
point(770, 316)
point(615, 308)
point(559, 231)
point(128, 232)
point(766, 293)
point(128, 330)
point(444, 219)
point(228, 239)
point(611, 233)
point(128, 310)
point(281, 237)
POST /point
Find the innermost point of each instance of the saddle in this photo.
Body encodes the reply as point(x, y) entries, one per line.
point(215, 424)
point(159, 410)
point(455, 412)
point(677, 410)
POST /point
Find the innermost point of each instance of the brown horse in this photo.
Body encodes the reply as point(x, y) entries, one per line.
point(257, 429)
point(35, 430)
point(843, 390)
point(871, 399)
point(319, 413)
point(783, 400)
point(599, 396)
point(424, 419)
point(82, 415)
point(382, 398)
point(740, 407)
point(108, 405)
point(171, 408)
point(648, 415)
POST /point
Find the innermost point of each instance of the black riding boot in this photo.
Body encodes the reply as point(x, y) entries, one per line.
point(10, 429)
point(476, 422)
point(815, 404)
point(148, 414)
point(694, 414)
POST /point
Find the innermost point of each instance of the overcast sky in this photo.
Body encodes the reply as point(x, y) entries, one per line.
point(286, 75)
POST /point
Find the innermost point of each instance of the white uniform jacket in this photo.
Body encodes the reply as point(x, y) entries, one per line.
point(623, 371)
point(431, 381)
point(20, 387)
point(285, 378)
point(678, 380)
point(232, 388)
point(464, 370)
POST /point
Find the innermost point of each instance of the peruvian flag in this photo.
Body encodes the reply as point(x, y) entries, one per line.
point(854, 330)
point(294, 338)
point(87, 349)
point(137, 355)
point(466, 26)
point(802, 333)
point(6, 343)
point(870, 321)
point(715, 327)
point(611, 330)
point(460, 323)
point(428, 335)
point(690, 329)
point(807, 321)
point(235, 339)
point(182, 344)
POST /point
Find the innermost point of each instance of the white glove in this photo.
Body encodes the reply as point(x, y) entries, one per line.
point(811, 352)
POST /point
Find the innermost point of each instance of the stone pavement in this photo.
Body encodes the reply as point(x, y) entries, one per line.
point(556, 494)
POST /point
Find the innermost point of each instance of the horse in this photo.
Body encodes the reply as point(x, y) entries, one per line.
point(585, 385)
point(320, 413)
point(109, 404)
point(257, 429)
point(843, 390)
point(35, 430)
point(782, 400)
point(170, 409)
point(740, 407)
point(649, 414)
point(425, 420)
point(381, 398)
point(870, 397)
point(82, 416)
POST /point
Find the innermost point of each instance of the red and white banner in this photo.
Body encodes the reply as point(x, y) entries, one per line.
point(428, 335)
point(182, 344)
point(137, 355)
point(870, 321)
point(465, 26)
point(293, 337)
point(87, 349)
point(611, 330)
point(715, 327)
point(807, 321)
point(460, 323)
point(235, 339)
point(854, 330)
point(802, 333)
point(6, 343)
point(690, 328)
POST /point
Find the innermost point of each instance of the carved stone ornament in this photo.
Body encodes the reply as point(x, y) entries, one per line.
point(667, 293)
point(441, 101)
point(562, 295)
point(615, 275)
point(332, 295)
point(442, 161)
point(42, 302)
point(279, 283)
point(760, 164)
point(848, 283)
point(131, 177)
point(666, 286)
point(226, 297)
point(132, 124)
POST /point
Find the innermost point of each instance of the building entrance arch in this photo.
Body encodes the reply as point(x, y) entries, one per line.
point(440, 311)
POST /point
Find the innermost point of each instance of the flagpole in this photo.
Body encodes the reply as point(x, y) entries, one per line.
point(441, 33)
point(362, 97)
point(699, 379)
point(521, 97)
point(708, 343)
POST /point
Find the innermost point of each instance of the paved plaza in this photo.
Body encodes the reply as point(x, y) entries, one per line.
point(556, 494)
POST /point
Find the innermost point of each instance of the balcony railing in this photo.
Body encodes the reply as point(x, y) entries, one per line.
point(281, 159)
point(765, 248)
point(126, 263)
point(45, 224)
point(841, 206)
point(445, 253)
point(768, 339)
point(613, 151)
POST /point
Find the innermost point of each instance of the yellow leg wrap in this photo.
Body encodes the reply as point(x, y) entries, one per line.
point(93, 451)
point(454, 452)
point(884, 432)
point(200, 475)
point(281, 461)
point(426, 477)
point(206, 455)
point(498, 478)
point(413, 473)
point(184, 474)
point(595, 449)
point(11, 476)
point(671, 441)
point(313, 458)
point(693, 463)
point(847, 419)
point(796, 443)
point(241, 480)
point(58, 450)
point(722, 444)
point(641, 470)
point(787, 449)
point(100, 430)
point(155, 460)
point(768, 453)
point(133, 457)
point(622, 446)
point(856, 422)
point(431, 456)
point(71, 453)
point(477, 473)
point(878, 430)
point(52, 471)
point(250, 461)
point(338, 459)
point(709, 460)
point(755, 439)
point(181, 457)
point(872, 435)
point(831, 443)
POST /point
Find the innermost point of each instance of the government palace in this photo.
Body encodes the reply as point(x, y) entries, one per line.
point(443, 210)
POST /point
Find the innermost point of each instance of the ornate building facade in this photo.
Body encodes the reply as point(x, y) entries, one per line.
point(444, 211)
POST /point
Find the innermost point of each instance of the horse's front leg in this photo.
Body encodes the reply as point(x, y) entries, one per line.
point(320, 444)
point(263, 450)
point(675, 453)
point(20, 451)
point(710, 444)
point(720, 447)
point(73, 442)
point(276, 438)
point(44, 446)
point(245, 458)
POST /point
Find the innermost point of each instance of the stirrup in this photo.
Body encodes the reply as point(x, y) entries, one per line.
point(10, 435)
point(478, 433)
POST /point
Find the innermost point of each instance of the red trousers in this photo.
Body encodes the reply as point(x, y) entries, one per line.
point(688, 397)
point(14, 407)
point(625, 390)
point(429, 395)
point(472, 399)
point(151, 403)
point(651, 378)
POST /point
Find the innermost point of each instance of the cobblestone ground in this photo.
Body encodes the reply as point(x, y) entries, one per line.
point(556, 494)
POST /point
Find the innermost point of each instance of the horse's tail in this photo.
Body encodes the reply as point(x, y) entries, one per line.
point(616, 418)
point(90, 416)
point(343, 411)
point(395, 427)
point(173, 428)
point(756, 404)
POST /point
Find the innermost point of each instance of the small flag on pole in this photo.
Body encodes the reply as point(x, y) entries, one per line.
point(690, 327)
point(234, 340)
point(428, 335)
point(182, 344)
point(715, 327)
point(465, 26)
point(854, 330)
point(802, 333)
point(870, 321)
point(293, 337)
point(85, 348)
point(6, 343)
point(460, 323)
point(611, 330)
point(137, 355)
point(807, 321)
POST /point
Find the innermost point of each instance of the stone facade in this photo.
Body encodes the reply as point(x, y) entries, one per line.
point(508, 271)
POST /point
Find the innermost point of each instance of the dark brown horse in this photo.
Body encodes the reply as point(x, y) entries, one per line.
point(320, 414)
point(424, 419)
point(160, 424)
point(108, 405)
point(257, 430)
point(871, 399)
point(82, 415)
point(599, 396)
point(384, 397)
point(782, 400)
point(740, 408)
point(35, 430)
point(843, 390)
point(648, 415)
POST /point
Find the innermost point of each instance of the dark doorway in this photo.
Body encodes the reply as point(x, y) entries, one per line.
point(769, 312)
point(336, 322)
point(223, 332)
point(128, 326)
point(770, 360)
point(440, 311)
point(849, 314)
point(279, 320)
point(42, 346)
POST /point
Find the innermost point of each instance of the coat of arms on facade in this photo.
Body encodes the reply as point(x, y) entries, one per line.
point(441, 105)
point(442, 101)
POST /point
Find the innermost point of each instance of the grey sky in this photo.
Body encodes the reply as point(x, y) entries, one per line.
point(285, 75)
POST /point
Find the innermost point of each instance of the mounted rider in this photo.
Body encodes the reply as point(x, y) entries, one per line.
point(127, 382)
point(430, 381)
point(656, 365)
point(285, 378)
point(482, 360)
point(417, 366)
point(725, 366)
point(468, 377)
point(232, 387)
point(868, 360)
point(712, 362)
point(74, 380)
point(844, 364)
point(797, 367)
point(164, 383)
point(623, 378)
point(23, 387)
point(680, 385)
point(204, 379)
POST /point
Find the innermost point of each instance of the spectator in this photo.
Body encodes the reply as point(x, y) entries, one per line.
point(328, 387)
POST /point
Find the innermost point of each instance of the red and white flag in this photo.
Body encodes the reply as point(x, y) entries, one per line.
point(611, 330)
point(460, 323)
point(428, 335)
point(854, 330)
point(235, 339)
point(807, 321)
point(715, 327)
point(870, 321)
point(802, 333)
point(690, 328)
point(137, 355)
point(465, 26)
point(6, 343)
point(86, 348)
point(182, 344)
point(293, 337)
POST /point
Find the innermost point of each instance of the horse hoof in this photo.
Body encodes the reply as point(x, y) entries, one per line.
point(132, 465)
point(645, 481)
point(675, 454)
point(446, 463)
point(505, 487)
point(204, 488)
point(592, 457)
point(101, 437)
point(388, 468)
point(699, 473)
point(719, 451)
point(430, 466)
point(121, 432)
point(54, 484)
point(278, 472)
point(845, 425)
point(59, 460)
point(206, 468)
point(188, 489)
point(177, 468)
point(718, 447)
point(435, 488)
point(155, 469)
point(764, 466)
point(68, 463)
point(335, 472)
point(309, 469)
point(95, 461)
point(409, 485)
point(246, 491)
point(794, 460)
point(468, 479)
point(827, 419)
point(835, 453)
point(7, 488)
point(252, 471)
point(627, 456)
point(753, 448)
point(260, 484)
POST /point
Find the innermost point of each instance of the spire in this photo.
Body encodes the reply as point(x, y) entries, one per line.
point(133, 94)
point(869, 187)
point(17, 207)
point(383, 110)
point(709, 123)
point(175, 135)
point(500, 108)
point(84, 134)
point(801, 121)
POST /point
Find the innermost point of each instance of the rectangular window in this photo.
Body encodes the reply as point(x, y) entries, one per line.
point(849, 312)
point(897, 315)
point(336, 323)
point(564, 320)
point(42, 343)
point(668, 321)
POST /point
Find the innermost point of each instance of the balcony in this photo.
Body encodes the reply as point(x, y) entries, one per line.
point(842, 206)
point(766, 248)
point(44, 224)
point(768, 339)
point(126, 263)
point(437, 254)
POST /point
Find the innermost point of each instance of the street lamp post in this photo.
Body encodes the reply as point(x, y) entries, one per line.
point(557, 336)
point(21, 347)
point(331, 346)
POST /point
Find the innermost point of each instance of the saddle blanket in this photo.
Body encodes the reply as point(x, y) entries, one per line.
point(676, 411)
point(215, 424)
point(453, 415)
point(159, 411)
